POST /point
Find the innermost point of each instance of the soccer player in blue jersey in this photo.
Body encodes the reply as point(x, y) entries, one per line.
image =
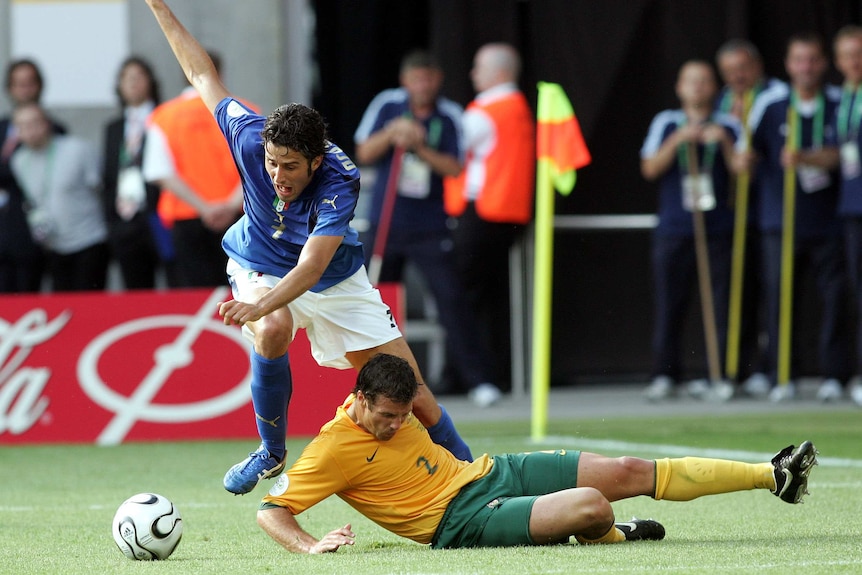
point(295, 262)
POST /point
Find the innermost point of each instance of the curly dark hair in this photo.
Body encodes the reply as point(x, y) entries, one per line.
point(296, 127)
point(387, 376)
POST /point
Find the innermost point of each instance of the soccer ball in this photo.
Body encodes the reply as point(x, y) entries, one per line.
point(147, 526)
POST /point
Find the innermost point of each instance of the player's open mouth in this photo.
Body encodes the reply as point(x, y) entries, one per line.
point(283, 190)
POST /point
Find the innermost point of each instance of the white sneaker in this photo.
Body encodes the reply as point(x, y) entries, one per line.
point(757, 385)
point(661, 388)
point(720, 391)
point(485, 394)
point(856, 393)
point(784, 392)
point(698, 388)
point(830, 390)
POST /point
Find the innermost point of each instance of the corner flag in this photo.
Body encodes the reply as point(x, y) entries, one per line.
point(560, 150)
point(558, 137)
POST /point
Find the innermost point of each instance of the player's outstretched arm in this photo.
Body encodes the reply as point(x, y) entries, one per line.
point(193, 59)
point(281, 525)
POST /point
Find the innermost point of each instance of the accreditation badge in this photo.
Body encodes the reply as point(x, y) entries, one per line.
point(698, 193)
point(414, 181)
point(850, 166)
point(812, 179)
point(130, 185)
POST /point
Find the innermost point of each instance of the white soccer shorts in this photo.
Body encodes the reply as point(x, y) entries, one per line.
point(349, 316)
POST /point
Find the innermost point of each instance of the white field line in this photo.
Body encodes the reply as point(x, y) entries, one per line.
point(631, 448)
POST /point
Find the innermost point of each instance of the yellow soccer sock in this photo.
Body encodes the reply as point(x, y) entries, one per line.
point(687, 478)
point(613, 535)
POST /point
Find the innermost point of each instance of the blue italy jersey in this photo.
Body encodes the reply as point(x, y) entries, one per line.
point(673, 218)
point(268, 239)
point(443, 133)
point(816, 211)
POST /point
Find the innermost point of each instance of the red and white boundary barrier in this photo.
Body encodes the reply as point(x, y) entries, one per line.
point(140, 366)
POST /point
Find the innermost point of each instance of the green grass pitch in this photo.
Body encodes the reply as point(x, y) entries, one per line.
point(57, 502)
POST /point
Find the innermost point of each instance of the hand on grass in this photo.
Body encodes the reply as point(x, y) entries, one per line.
point(333, 540)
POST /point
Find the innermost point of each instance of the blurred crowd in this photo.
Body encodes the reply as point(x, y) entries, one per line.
point(759, 181)
point(760, 191)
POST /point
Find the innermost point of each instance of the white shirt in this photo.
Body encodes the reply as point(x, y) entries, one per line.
point(158, 159)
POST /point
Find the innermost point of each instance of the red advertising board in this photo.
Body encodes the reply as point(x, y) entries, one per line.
point(137, 366)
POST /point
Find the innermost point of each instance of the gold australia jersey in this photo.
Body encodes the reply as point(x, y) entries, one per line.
point(404, 484)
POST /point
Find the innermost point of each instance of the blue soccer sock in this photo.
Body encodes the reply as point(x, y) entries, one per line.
point(444, 433)
point(271, 388)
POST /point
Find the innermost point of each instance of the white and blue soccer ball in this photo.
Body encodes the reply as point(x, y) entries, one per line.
point(147, 526)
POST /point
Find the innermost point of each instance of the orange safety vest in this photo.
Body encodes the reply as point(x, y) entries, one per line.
point(507, 193)
point(201, 155)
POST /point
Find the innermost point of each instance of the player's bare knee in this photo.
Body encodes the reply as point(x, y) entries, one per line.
point(634, 469)
point(271, 338)
point(593, 507)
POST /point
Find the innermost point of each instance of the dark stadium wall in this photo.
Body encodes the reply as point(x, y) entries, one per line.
point(617, 60)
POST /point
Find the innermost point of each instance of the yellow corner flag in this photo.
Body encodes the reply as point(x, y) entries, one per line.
point(559, 140)
point(560, 150)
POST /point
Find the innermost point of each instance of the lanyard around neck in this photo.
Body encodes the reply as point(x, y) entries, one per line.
point(708, 154)
point(748, 97)
point(435, 129)
point(817, 126)
point(849, 112)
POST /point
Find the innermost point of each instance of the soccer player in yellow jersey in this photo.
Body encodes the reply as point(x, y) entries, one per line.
point(377, 457)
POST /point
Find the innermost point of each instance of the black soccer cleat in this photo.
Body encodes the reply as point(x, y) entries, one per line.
point(642, 530)
point(792, 466)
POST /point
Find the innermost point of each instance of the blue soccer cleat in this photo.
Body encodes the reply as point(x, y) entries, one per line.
point(245, 475)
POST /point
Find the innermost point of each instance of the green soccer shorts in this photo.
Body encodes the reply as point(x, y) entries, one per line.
point(494, 511)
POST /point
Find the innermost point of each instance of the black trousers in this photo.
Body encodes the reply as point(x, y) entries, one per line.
point(675, 279)
point(482, 260)
point(83, 270)
point(200, 260)
point(824, 257)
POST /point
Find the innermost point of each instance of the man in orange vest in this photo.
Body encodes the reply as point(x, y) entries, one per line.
point(188, 157)
point(492, 198)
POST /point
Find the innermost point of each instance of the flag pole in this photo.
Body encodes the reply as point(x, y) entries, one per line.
point(542, 294)
point(560, 151)
point(703, 273)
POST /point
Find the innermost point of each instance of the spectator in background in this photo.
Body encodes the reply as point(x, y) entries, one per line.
point(492, 198)
point(59, 176)
point(741, 68)
point(426, 126)
point(134, 228)
point(21, 258)
point(186, 155)
point(817, 239)
point(848, 120)
point(665, 158)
